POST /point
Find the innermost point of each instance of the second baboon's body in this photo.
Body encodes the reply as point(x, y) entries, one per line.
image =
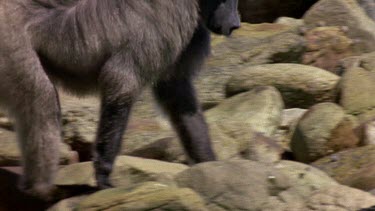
point(114, 47)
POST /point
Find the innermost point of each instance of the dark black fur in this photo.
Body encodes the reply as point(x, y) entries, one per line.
point(114, 47)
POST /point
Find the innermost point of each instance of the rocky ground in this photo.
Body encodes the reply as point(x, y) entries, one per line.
point(291, 110)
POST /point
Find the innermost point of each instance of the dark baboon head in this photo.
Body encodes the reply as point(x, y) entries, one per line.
point(220, 16)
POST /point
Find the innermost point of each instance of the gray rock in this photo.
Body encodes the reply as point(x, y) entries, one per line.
point(148, 196)
point(233, 122)
point(127, 172)
point(357, 89)
point(339, 198)
point(300, 85)
point(248, 185)
point(354, 167)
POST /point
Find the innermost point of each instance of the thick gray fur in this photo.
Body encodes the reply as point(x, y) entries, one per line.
point(111, 47)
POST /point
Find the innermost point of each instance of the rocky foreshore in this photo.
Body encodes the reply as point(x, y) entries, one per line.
point(291, 111)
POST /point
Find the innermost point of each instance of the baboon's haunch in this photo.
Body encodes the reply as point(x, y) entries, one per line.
point(114, 47)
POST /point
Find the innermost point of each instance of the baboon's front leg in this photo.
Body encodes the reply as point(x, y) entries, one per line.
point(177, 96)
point(119, 87)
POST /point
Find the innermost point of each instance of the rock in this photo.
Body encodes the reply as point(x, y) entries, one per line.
point(233, 122)
point(248, 185)
point(323, 130)
point(263, 149)
point(11, 155)
point(290, 22)
point(289, 120)
point(339, 198)
point(80, 119)
point(365, 61)
point(127, 171)
point(357, 89)
point(368, 133)
point(254, 11)
point(166, 149)
point(148, 196)
point(353, 167)
point(233, 185)
point(6, 123)
point(357, 85)
point(345, 13)
point(251, 45)
point(67, 204)
point(326, 46)
point(305, 179)
point(300, 85)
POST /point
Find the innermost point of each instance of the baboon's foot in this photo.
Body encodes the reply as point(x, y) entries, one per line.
point(45, 192)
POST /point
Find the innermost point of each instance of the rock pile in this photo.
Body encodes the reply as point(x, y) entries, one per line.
point(290, 106)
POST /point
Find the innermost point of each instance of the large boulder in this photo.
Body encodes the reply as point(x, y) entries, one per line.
point(339, 198)
point(233, 122)
point(148, 196)
point(127, 172)
point(247, 185)
point(353, 167)
point(345, 13)
point(323, 130)
point(251, 45)
point(300, 85)
point(357, 86)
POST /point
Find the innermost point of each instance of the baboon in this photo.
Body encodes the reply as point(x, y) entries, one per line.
point(111, 47)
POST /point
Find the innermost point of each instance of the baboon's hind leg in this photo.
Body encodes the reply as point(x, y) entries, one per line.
point(33, 102)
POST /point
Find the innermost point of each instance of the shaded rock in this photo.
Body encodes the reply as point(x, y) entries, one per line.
point(323, 130)
point(339, 198)
point(254, 11)
point(11, 155)
point(67, 204)
point(148, 196)
point(345, 13)
point(326, 46)
point(166, 149)
point(233, 122)
point(11, 198)
point(127, 171)
point(248, 185)
point(300, 85)
point(353, 167)
point(250, 45)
